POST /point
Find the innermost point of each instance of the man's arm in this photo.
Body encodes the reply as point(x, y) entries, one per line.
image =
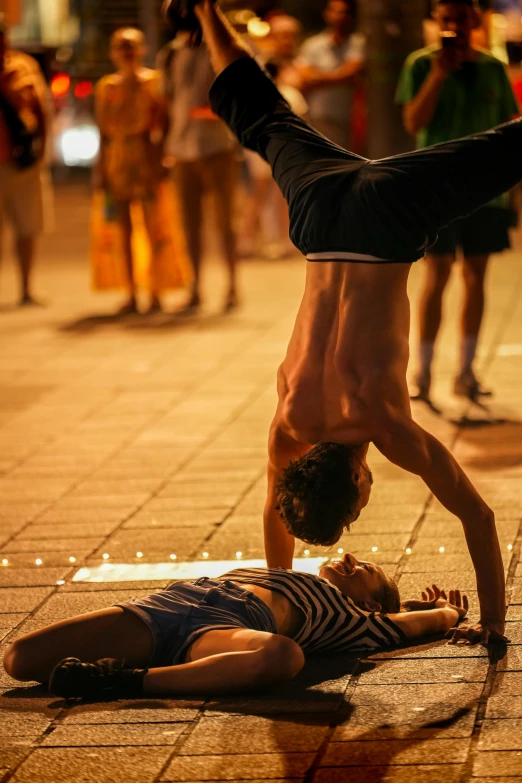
point(279, 543)
point(406, 444)
point(312, 77)
point(419, 112)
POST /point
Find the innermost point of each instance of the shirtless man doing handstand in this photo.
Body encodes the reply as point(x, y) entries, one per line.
point(361, 224)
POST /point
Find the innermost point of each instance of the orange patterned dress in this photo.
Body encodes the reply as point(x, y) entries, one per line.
point(130, 115)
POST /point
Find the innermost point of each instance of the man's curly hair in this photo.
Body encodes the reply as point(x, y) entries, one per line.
point(316, 495)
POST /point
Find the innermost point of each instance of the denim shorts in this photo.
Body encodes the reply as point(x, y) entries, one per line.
point(183, 611)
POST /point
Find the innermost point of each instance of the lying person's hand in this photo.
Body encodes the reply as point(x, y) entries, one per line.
point(479, 633)
point(432, 598)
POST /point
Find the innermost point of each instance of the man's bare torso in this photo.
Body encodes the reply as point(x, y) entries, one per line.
point(348, 354)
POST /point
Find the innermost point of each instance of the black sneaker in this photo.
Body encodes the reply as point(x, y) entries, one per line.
point(104, 679)
point(180, 16)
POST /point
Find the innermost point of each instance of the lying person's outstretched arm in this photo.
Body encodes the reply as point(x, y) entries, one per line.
point(406, 444)
point(435, 614)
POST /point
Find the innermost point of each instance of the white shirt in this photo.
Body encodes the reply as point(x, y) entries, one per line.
point(333, 103)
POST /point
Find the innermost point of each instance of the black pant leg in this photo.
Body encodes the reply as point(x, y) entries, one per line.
point(451, 180)
point(248, 101)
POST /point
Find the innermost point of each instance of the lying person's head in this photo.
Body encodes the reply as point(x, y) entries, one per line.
point(323, 492)
point(365, 583)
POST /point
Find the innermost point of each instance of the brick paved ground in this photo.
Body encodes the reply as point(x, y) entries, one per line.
point(149, 436)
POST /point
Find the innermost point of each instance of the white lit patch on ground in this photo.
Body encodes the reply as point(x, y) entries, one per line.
point(144, 572)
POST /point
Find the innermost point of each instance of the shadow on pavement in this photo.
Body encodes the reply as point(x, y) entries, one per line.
point(153, 323)
point(317, 701)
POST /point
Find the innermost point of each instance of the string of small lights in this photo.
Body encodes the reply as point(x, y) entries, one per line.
point(238, 555)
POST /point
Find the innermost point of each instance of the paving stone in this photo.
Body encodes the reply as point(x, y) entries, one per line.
point(22, 725)
point(37, 546)
point(497, 764)
point(514, 613)
point(115, 734)
point(20, 512)
point(411, 585)
point(249, 734)
point(22, 599)
point(153, 542)
point(512, 661)
point(66, 531)
point(178, 520)
point(140, 711)
point(506, 699)
point(440, 648)
point(80, 516)
point(126, 503)
point(92, 765)
point(12, 618)
point(406, 711)
point(244, 767)
point(32, 577)
point(391, 752)
point(495, 780)
point(424, 773)
point(448, 563)
point(12, 752)
point(426, 671)
point(48, 558)
point(501, 735)
point(516, 592)
point(93, 488)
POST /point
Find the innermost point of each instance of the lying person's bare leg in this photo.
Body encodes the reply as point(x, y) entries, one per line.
point(85, 658)
point(223, 661)
point(108, 633)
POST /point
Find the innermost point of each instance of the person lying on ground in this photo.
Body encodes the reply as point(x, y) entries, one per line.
point(361, 225)
point(248, 629)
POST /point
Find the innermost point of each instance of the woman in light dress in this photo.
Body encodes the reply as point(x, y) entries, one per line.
point(137, 236)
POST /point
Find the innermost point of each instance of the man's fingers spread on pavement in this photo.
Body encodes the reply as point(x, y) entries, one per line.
point(453, 635)
point(465, 602)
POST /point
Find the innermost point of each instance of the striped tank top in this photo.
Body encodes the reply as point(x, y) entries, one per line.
point(333, 622)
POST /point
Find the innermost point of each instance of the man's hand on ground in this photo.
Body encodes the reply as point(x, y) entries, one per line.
point(479, 633)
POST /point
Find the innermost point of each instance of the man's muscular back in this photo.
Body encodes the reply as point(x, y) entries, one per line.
point(348, 353)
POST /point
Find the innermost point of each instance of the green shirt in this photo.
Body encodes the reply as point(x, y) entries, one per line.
point(473, 99)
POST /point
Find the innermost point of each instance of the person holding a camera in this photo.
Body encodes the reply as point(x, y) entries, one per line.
point(448, 91)
point(24, 188)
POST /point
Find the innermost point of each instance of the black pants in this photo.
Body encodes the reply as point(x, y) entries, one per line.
point(391, 208)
